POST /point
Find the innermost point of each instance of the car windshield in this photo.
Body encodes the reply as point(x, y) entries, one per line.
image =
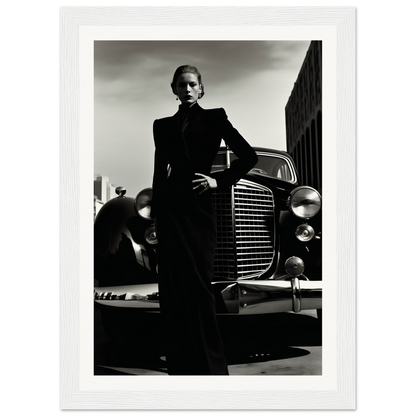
point(269, 164)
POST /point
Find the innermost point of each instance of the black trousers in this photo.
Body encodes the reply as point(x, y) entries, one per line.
point(187, 238)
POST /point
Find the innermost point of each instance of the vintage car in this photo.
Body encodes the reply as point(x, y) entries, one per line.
point(267, 261)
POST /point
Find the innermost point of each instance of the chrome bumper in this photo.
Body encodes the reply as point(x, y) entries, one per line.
point(242, 297)
point(253, 297)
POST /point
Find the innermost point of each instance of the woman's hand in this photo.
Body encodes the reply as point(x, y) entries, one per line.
point(204, 183)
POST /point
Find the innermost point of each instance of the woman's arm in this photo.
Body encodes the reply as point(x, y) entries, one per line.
point(247, 157)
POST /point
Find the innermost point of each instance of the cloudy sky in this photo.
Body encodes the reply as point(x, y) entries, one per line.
point(251, 80)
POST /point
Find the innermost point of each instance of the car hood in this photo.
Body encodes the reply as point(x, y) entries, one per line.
point(280, 188)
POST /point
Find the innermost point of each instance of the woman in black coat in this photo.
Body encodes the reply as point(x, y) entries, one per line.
point(186, 145)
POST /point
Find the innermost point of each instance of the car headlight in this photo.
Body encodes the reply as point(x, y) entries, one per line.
point(143, 203)
point(305, 233)
point(294, 266)
point(304, 202)
point(150, 235)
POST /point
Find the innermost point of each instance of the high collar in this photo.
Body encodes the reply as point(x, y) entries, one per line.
point(188, 109)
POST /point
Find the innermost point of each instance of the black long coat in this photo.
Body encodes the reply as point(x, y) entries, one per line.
point(185, 223)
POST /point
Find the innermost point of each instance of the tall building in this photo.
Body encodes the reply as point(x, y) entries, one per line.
point(103, 189)
point(103, 192)
point(303, 113)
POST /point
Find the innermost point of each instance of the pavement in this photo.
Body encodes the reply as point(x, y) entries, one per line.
point(288, 344)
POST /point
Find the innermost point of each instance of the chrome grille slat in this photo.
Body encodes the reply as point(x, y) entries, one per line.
point(257, 209)
point(245, 231)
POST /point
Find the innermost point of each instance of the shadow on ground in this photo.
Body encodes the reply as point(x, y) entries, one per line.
point(247, 340)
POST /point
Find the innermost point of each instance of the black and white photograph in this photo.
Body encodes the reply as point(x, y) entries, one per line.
point(202, 177)
point(208, 207)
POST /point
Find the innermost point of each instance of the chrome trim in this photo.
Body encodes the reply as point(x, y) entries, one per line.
point(271, 296)
point(243, 297)
point(245, 231)
point(296, 295)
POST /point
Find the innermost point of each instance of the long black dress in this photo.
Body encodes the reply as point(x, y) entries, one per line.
point(185, 222)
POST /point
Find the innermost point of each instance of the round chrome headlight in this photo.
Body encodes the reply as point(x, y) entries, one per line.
point(305, 233)
point(143, 203)
point(150, 235)
point(304, 202)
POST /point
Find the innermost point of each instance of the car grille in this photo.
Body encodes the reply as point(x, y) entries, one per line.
point(245, 231)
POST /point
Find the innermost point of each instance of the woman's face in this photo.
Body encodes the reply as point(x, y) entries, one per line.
point(187, 88)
